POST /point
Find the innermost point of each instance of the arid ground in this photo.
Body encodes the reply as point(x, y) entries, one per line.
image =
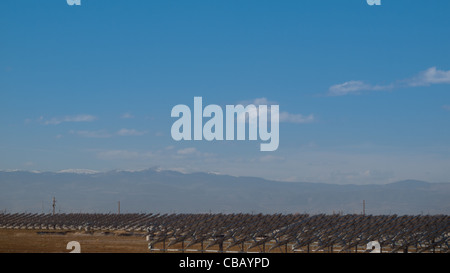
point(45, 241)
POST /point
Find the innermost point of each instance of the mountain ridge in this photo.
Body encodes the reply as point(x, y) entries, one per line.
point(158, 190)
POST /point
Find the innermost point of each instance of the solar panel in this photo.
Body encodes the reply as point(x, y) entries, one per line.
point(257, 233)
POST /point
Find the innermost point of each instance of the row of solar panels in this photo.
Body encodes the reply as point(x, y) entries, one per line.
point(253, 232)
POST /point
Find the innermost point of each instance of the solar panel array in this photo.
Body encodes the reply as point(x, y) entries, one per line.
point(257, 232)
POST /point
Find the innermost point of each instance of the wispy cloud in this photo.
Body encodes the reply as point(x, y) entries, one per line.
point(430, 76)
point(129, 132)
point(190, 152)
point(59, 120)
point(258, 101)
point(446, 107)
point(296, 118)
point(126, 116)
point(106, 134)
point(123, 154)
point(354, 87)
point(283, 116)
point(91, 134)
point(271, 158)
point(425, 78)
point(187, 151)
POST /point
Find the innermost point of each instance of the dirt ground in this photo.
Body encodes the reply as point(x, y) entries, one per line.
point(45, 241)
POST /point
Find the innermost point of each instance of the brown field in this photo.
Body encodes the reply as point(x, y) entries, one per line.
point(55, 241)
point(45, 241)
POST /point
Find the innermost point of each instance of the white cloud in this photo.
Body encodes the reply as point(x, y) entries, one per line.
point(29, 163)
point(258, 101)
point(425, 78)
point(353, 87)
point(296, 118)
point(129, 132)
point(159, 134)
point(187, 151)
point(446, 107)
point(59, 120)
point(127, 116)
point(117, 154)
point(191, 152)
point(271, 158)
point(283, 116)
point(347, 88)
point(123, 154)
point(91, 134)
point(106, 134)
point(252, 115)
point(430, 76)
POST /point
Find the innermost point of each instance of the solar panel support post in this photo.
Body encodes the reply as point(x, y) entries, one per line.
point(221, 246)
point(221, 238)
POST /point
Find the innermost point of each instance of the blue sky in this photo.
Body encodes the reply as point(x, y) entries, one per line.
point(364, 90)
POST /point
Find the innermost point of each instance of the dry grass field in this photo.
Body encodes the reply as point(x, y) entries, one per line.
point(45, 241)
point(52, 241)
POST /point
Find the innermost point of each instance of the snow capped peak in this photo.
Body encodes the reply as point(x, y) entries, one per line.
point(78, 171)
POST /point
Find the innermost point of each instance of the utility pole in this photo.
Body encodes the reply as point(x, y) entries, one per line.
point(54, 204)
point(119, 207)
point(364, 207)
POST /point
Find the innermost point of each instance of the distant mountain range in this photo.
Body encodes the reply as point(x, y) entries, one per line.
point(164, 191)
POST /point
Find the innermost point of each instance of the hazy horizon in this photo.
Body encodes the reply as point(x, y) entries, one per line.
point(164, 191)
point(159, 169)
